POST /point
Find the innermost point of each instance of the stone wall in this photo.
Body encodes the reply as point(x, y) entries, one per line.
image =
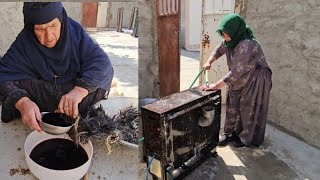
point(74, 10)
point(289, 33)
point(11, 23)
point(113, 12)
point(148, 59)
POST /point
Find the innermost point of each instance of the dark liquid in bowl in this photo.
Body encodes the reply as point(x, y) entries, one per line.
point(59, 154)
point(57, 119)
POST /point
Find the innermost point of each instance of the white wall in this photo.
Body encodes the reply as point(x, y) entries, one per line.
point(191, 24)
point(194, 24)
point(102, 14)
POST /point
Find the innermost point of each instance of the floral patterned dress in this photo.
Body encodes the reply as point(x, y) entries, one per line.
point(249, 84)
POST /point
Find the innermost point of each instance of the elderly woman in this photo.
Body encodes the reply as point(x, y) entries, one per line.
point(52, 65)
point(248, 82)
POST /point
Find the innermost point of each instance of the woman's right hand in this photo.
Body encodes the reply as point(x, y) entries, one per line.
point(207, 65)
point(30, 113)
point(211, 87)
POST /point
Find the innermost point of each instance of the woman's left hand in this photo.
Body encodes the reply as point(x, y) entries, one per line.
point(214, 86)
point(211, 87)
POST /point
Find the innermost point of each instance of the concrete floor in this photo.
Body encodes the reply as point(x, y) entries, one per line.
point(243, 163)
point(122, 50)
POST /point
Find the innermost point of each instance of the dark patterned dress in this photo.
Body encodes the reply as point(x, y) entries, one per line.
point(249, 84)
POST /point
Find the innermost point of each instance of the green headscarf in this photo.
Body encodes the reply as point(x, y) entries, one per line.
point(236, 28)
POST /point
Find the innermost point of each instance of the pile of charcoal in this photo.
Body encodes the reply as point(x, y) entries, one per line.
point(127, 124)
point(98, 124)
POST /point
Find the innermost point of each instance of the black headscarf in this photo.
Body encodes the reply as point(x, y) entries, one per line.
point(74, 56)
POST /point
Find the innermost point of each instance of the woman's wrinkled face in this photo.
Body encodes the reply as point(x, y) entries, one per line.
point(48, 34)
point(226, 37)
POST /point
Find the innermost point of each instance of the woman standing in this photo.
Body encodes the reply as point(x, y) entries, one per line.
point(248, 81)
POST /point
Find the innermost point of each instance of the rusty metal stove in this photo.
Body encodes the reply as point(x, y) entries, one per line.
point(180, 131)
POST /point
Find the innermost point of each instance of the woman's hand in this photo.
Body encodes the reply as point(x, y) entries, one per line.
point(211, 87)
point(214, 86)
point(207, 65)
point(69, 102)
point(30, 113)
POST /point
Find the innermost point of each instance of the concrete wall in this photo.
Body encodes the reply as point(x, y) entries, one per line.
point(74, 10)
point(289, 32)
point(113, 8)
point(183, 24)
point(148, 59)
point(11, 21)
